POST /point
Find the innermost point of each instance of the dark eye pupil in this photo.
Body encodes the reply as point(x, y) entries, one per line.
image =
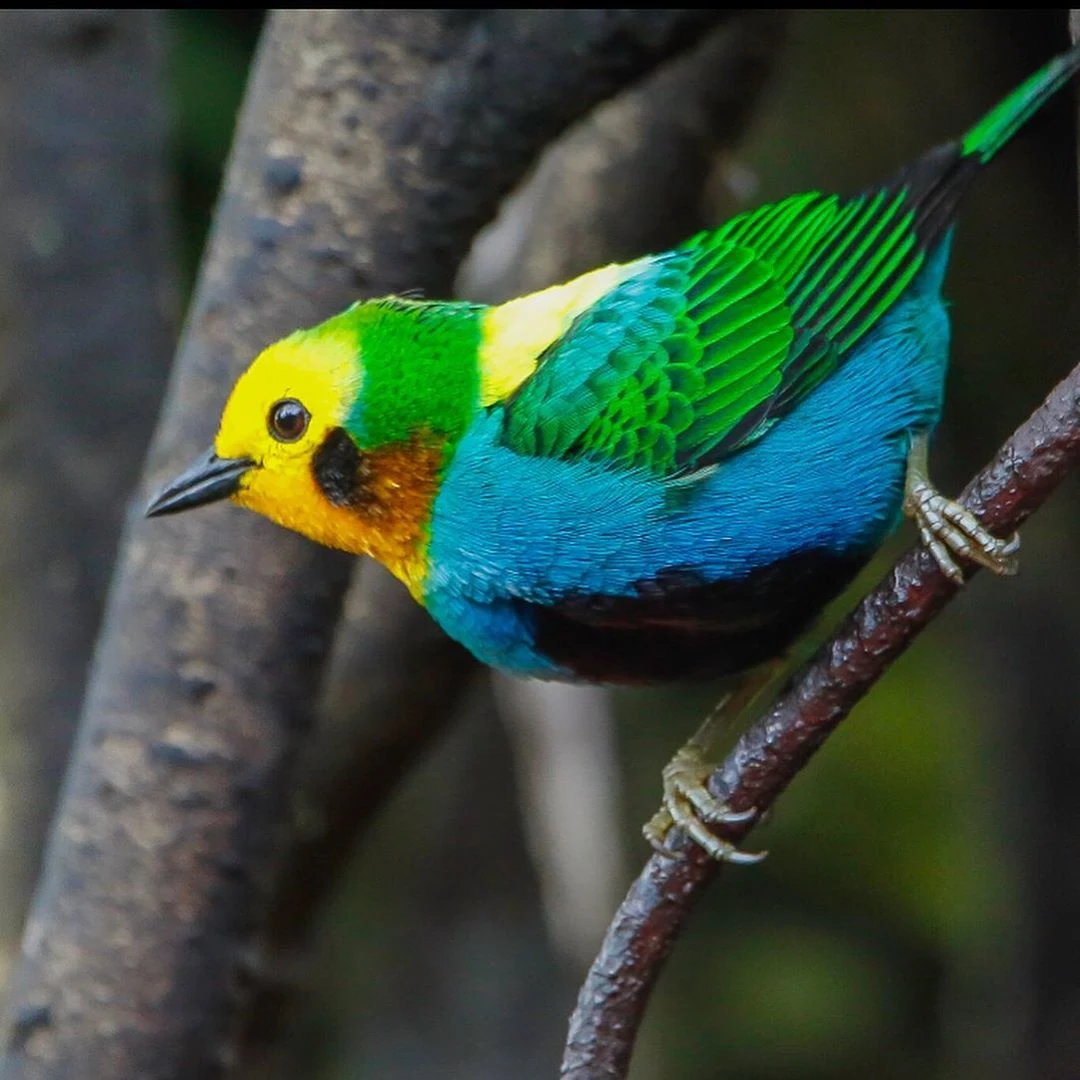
point(288, 420)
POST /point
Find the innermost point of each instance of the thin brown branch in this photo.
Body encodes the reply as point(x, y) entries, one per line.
point(1033, 462)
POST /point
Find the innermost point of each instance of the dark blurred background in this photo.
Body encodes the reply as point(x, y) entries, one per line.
point(917, 916)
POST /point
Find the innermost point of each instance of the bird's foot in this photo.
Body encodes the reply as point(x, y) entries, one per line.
point(951, 532)
point(689, 805)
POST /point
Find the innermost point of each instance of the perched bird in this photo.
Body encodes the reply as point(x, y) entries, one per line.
point(664, 468)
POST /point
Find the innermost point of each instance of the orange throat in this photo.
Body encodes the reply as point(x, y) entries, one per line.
point(403, 483)
point(387, 516)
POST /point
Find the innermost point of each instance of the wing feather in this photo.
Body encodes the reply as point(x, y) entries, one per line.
point(701, 350)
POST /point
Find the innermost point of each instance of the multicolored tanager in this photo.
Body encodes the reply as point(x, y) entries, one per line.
point(664, 468)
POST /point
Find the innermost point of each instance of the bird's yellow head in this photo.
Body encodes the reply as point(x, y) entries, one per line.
point(341, 433)
point(281, 418)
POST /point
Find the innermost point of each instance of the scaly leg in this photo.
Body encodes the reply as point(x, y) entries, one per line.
point(688, 804)
point(950, 530)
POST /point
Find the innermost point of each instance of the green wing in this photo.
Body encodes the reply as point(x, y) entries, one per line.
point(701, 350)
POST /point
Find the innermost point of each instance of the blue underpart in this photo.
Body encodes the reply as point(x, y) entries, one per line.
point(508, 527)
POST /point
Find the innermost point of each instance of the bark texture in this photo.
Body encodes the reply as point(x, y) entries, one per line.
point(370, 145)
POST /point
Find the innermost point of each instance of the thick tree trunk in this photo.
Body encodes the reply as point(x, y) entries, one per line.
point(86, 334)
point(371, 146)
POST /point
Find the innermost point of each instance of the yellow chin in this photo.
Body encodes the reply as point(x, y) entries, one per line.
point(297, 504)
point(389, 526)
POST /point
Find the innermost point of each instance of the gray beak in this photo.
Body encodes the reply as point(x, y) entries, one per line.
point(208, 479)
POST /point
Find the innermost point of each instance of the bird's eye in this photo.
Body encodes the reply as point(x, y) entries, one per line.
point(288, 420)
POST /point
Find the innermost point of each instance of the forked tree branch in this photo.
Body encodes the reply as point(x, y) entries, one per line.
point(603, 1028)
point(137, 961)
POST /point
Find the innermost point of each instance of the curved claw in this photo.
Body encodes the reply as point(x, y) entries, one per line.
point(951, 531)
point(689, 805)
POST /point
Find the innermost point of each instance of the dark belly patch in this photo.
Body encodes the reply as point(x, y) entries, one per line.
point(681, 626)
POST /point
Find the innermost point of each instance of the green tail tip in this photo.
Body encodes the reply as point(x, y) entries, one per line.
point(1003, 121)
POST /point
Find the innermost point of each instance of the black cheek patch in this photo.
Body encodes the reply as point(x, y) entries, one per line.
point(340, 470)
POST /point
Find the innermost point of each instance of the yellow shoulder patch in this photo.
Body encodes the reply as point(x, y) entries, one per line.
point(514, 334)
